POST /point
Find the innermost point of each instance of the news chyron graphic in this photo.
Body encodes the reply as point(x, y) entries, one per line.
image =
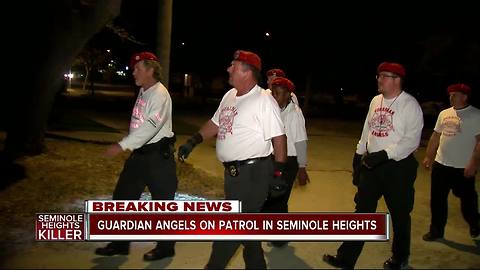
point(107, 220)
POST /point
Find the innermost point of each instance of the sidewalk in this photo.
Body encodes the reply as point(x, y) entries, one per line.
point(330, 149)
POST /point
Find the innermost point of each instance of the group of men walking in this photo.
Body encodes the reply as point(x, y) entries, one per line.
point(261, 140)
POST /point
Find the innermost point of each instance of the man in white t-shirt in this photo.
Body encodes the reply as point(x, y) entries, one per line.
point(249, 129)
point(455, 145)
point(276, 73)
point(151, 141)
point(294, 122)
point(390, 135)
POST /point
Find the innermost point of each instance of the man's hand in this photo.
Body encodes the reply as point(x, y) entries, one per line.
point(278, 186)
point(427, 162)
point(374, 159)
point(356, 164)
point(113, 150)
point(185, 149)
point(470, 170)
point(302, 176)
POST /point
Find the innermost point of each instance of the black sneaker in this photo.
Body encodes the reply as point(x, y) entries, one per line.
point(393, 263)
point(475, 233)
point(430, 236)
point(336, 262)
point(112, 249)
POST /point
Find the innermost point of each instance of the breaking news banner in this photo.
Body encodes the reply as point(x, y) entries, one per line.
point(108, 220)
point(142, 206)
point(289, 226)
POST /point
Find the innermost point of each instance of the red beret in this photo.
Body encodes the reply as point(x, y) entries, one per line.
point(459, 87)
point(276, 72)
point(283, 82)
point(248, 58)
point(392, 67)
point(142, 56)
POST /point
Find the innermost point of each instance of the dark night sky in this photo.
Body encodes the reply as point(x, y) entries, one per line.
point(339, 43)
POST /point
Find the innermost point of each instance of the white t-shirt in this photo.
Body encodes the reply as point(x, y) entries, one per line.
point(151, 118)
point(458, 129)
point(394, 125)
point(294, 122)
point(246, 125)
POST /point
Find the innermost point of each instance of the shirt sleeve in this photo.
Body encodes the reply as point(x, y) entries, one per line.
point(271, 122)
point(297, 126)
point(156, 116)
point(438, 125)
point(412, 134)
point(216, 117)
point(301, 148)
point(362, 143)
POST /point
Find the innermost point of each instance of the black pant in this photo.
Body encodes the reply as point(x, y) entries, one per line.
point(251, 188)
point(280, 204)
point(394, 180)
point(444, 179)
point(155, 168)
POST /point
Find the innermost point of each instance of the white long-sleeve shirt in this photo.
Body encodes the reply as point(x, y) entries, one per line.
point(295, 130)
point(394, 125)
point(151, 118)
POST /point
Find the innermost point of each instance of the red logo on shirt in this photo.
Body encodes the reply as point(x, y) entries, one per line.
point(382, 122)
point(451, 126)
point(227, 115)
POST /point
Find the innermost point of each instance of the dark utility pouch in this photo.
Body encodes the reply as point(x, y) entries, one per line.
point(232, 168)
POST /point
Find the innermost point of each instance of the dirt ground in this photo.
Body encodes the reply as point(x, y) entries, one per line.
point(331, 145)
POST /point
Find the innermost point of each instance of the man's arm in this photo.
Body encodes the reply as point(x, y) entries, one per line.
point(280, 148)
point(208, 130)
point(431, 149)
point(471, 168)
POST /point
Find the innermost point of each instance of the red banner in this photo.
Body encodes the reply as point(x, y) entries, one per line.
point(291, 226)
point(60, 227)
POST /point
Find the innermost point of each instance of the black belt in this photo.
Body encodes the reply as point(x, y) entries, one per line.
point(244, 162)
point(232, 166)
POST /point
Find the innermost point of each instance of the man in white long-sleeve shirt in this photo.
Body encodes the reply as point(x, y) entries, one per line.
point(391, 134)
point(294, 122)
point(151, 139)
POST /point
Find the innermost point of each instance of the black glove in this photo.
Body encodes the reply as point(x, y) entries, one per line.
point(356, 164)
point(278, 186)
point(374, 159)
point(185, 149)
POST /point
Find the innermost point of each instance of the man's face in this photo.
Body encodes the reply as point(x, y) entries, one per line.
point(458, 99)
point(386, 81)
point(141, 73)
point(281, 95)
point(237, 72)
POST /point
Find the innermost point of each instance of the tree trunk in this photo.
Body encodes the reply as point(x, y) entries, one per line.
point(87, 73)
point(164, 33)
point(63, 28)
